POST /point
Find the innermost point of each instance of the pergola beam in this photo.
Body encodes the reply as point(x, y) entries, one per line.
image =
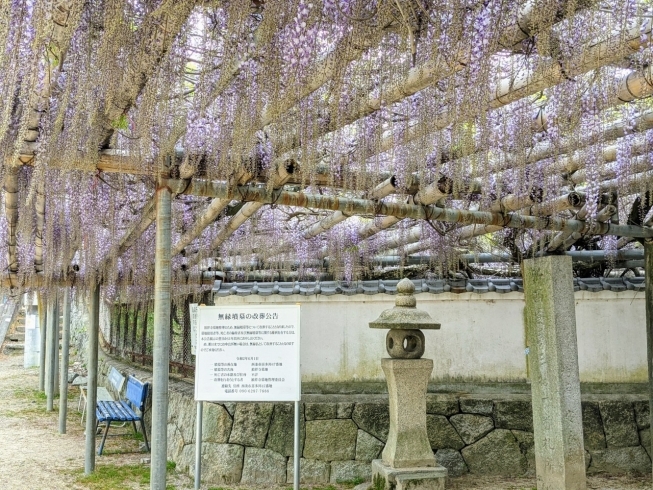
point(65, 17)
point(147, 217)
point(369, 207)
point(210, 214)
point(429, 73)
point(158, 31)
point(552, 72)
point(244, 213)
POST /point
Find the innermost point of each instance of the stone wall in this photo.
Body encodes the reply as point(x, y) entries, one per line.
point(342, 434)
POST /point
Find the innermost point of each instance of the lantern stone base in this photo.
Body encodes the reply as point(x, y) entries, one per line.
point(419, 478)
point(408, 443)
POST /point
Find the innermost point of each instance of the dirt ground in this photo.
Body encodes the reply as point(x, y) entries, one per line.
point(33, 455)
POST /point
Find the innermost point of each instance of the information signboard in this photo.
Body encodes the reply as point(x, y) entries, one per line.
point(248, 353)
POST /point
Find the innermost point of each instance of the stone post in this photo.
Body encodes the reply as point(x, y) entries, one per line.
point(648, 274)
point(408, 443)
point(550, 320)
point(407, 459)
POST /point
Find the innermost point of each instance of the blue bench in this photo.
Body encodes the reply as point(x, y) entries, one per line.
point(130, 410)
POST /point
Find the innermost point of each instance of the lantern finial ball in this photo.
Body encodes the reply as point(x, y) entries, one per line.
point(405, 297)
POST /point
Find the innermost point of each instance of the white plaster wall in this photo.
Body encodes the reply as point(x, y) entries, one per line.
point(481, 338)
point(611, 333)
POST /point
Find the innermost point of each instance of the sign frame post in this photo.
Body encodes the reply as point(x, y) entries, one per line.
point(198, 444)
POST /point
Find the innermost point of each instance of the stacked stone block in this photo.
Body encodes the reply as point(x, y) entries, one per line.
point(252, 443)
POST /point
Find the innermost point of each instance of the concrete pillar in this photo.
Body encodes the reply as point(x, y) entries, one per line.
point(32, 336)
point(52, 352)
point(42, 348)
point(57, 325)
point(161, 351)
point(91, 386)
point(648, 271)
point(550, 319)
point(63, 371)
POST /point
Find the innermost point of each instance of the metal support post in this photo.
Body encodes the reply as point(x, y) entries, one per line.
point(42, 329)
point(91, 387)
point(198, 444)
point(161, 354)
point(63, 371)
point(296, 459)
point(648, 272)
point(52, 352)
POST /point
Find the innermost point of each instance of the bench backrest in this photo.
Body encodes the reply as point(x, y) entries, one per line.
point(137, 393)
point(116, 379)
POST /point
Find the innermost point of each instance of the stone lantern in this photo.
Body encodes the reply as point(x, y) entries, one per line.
point(407, 460)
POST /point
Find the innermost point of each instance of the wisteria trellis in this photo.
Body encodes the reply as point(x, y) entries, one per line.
point(535, 107)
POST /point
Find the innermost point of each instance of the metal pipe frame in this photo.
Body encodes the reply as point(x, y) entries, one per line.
point(368, 207)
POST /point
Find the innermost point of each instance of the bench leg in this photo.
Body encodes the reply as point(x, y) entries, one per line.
point(104, 438)
point(147, 444)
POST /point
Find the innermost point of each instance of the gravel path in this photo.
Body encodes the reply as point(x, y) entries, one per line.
point(33, 455)
point(32, 452)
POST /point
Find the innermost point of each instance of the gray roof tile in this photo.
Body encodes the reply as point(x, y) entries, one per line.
point(433, 286)
point(635, 283)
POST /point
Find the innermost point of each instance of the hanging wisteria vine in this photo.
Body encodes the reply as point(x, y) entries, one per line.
point(534, 108)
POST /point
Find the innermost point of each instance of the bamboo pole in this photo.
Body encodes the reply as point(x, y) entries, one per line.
point(562, 238)
point(573, 200)
point(609, 173)
point(147, 217)
point(39, 281)
point(391, 260)
point(428, 195)
point(629, 184)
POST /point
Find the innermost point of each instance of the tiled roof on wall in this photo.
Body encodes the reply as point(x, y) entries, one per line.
point(433, 286)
